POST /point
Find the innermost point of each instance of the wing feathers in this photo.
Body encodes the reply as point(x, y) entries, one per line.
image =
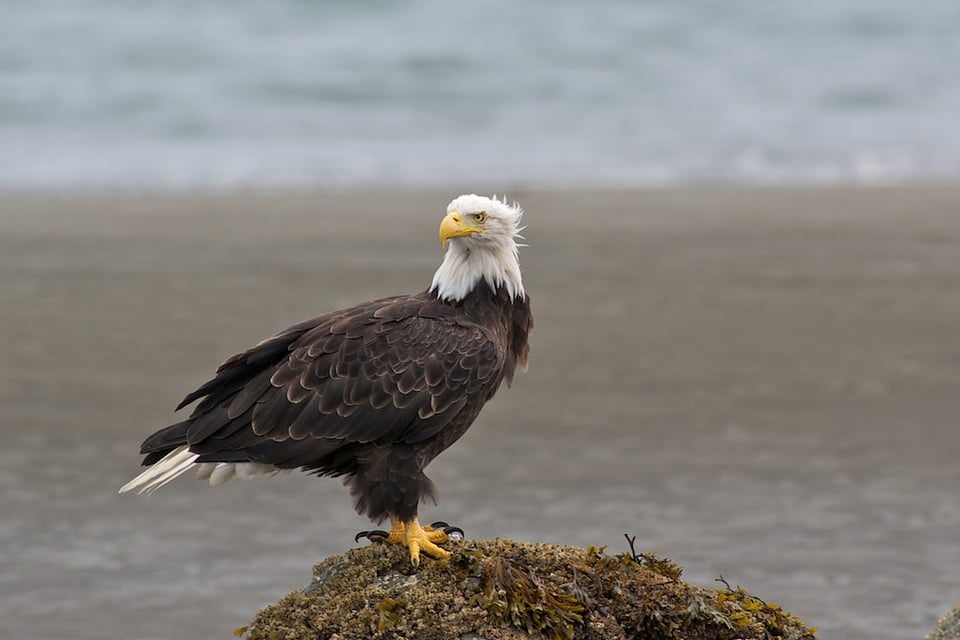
point(331, 395)
point(394, 370)
point(237, 368)
point(249, 394)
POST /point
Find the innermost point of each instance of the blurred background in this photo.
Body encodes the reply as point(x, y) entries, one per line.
point(112, 94)
point(744, 262)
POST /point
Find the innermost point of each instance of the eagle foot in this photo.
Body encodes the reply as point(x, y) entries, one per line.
point(416, 538)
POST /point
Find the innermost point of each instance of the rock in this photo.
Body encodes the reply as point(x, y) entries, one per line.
point(949, 626)
point(506, 590)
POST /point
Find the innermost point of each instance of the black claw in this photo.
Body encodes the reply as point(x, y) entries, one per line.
point(447, 529)
point(373, 536)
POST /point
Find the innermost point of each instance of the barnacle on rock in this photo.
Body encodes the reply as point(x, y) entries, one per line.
point(506, 590)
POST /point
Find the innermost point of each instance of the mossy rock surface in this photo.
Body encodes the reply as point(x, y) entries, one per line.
point(949, 626)
point(506, 590)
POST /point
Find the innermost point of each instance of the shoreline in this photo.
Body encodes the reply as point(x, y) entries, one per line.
point(751, 380)
point(693, 200)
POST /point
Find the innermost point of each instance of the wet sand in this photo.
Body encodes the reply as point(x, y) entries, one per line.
point(758, 383)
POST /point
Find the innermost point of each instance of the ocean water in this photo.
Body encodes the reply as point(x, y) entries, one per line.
point(216, 94)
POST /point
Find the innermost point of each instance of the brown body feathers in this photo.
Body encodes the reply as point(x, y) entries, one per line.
point(373, 393)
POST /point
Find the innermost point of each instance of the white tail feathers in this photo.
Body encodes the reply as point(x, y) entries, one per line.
point(166, 469)
point(178, 461)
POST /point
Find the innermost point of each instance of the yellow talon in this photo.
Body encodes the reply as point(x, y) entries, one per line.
point(417, 539)
point(397, 531)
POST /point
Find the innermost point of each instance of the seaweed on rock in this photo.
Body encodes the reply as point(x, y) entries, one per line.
point(504, 590)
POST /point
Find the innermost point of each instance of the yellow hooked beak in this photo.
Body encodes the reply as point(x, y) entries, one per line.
point(453, 226)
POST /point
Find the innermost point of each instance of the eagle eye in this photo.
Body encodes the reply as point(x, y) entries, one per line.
point(480, 218)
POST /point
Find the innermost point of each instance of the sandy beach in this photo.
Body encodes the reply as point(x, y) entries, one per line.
point(759, 383)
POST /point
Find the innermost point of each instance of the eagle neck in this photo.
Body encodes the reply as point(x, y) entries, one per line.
point(464, 268)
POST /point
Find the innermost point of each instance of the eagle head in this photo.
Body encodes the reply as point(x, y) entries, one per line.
point(482, 237)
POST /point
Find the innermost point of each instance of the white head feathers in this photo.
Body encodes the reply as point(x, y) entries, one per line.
point(484, 249)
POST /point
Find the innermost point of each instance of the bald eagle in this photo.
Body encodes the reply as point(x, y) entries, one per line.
point(371, 393)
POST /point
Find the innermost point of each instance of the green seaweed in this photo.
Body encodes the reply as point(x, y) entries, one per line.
point(508, 590)
point(389, 612)
point(515, 594)
point(742, 609)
